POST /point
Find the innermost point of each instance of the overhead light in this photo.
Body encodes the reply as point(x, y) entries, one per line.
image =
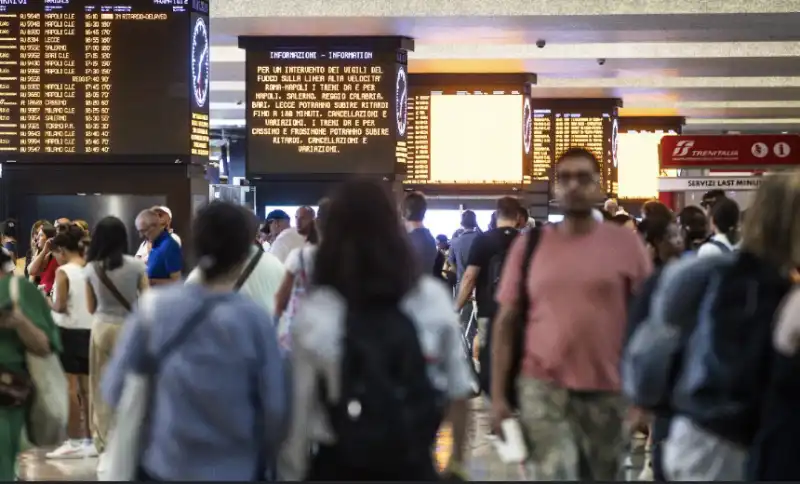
point(227, 85)
point(219, 123)
point(224, 106)
point(665, 82)
point(743, 121)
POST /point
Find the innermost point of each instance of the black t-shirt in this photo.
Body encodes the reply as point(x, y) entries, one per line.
point(484, 248)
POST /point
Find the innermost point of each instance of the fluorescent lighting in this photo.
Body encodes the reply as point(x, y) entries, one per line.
point(227, 85)
point(219, 123)
point(665, 82)
point(227, 106)
point(743, 121)
point(227, 54)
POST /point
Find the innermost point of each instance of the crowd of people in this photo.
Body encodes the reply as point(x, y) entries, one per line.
point(337, 347)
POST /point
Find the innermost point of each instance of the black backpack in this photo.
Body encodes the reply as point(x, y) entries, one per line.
point(388, 413)
point(726, 364)
point(518, 342)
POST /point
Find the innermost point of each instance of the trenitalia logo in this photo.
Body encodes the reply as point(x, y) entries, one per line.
point(683, 147)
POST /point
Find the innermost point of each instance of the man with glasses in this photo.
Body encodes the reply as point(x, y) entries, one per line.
point(165, 260)
point(579, 280)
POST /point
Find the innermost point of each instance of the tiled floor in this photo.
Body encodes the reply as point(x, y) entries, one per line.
point(34, 467)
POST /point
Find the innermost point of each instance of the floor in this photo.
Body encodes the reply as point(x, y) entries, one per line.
point(34, 467)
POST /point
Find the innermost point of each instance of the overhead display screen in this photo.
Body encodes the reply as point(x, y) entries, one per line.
point(101, 78)
point(326, 110)
point(467, 135)
point(562, 124)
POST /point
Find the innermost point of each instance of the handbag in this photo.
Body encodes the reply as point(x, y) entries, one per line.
point(127, 439)
point(112, 288)
point(49, 407)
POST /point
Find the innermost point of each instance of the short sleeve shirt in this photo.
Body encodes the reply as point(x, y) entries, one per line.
point(483, 249)
point(578, 292)
point(165, 257)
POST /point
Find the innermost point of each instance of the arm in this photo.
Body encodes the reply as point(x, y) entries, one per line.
point(466, 286)
point(144, 283)
point(34, 339)
point(91, 298)
point(61, 285)
point(38, 264)
point(284, 294)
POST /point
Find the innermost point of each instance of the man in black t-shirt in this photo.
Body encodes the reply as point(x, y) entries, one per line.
point(485, 262)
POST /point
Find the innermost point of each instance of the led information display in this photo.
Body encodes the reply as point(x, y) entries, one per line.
point(103, 77)
point(466, 134)
point(325, 110)
point(562, 124)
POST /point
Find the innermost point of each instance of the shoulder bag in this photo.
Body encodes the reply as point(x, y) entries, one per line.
point(103, 276)
point(245, 275)
point(49, 407)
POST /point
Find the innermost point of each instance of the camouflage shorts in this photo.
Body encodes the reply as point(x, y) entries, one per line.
point(571, 435)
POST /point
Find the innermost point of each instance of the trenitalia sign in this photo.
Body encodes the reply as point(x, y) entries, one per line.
point(729, 151)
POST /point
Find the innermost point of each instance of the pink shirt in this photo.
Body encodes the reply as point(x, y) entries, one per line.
point(578, 288)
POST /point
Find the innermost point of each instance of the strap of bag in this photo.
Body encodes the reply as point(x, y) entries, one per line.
point(532, 241)
point(247, 271)
point(724, 248)
point(103, 276)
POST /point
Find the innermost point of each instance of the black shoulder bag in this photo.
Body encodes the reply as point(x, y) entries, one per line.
point(245, 275)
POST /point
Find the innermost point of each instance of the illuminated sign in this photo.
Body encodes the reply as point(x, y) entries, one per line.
point(326, 109)
point(561, 124)
point(678, 184)
point(472, 129)
point(102, 77)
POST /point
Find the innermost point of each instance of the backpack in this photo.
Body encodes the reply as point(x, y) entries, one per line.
point(388, 412)
point(726, 365)
point(518, 342)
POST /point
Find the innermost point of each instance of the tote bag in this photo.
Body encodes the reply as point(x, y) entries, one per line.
point(49, 408)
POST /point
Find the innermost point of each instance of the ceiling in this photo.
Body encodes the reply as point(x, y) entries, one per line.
point(723, 70)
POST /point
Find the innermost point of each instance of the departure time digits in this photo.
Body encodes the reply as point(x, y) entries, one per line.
point(56, 77)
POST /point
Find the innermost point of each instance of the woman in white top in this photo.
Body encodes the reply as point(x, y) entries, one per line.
point(725, 224)
point(299, 270)
point(71, 314)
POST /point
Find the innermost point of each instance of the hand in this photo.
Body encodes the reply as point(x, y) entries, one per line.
point(46, 247)
point(11, 319)
point(500, 411)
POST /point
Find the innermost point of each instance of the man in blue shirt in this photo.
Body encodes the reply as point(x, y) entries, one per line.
point(165, 262)
point(422, 242)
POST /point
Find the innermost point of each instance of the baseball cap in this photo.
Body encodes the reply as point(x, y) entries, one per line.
point(278, 215)
point(164, 209)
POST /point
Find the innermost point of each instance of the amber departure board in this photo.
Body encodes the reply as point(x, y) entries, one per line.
point(562, 124)
point(98, 78)
point(333, 109)
point(477, 132)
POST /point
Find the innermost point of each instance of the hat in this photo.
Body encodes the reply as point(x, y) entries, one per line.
point(278, 215)
point(163, 209)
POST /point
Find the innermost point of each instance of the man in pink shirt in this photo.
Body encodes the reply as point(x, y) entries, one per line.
point(580, 279)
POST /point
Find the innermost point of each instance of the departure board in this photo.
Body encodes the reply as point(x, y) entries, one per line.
point(562, 124)
point(477, 132)
point(96, 78)
point(326, 110)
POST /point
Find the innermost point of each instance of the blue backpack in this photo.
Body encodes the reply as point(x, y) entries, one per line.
point(726, 361)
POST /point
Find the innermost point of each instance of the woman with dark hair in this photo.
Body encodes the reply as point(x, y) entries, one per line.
point(369, 297)
point(114, 281)
point(43, 266)
point(71, 314)
point(219, 380)
point(33, 249)
point(725, 220)
point(694, 225)
point(26, 326)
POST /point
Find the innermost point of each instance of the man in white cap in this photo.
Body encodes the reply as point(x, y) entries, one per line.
point(165, 220)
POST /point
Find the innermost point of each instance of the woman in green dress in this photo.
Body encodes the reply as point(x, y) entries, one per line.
point(29, 327)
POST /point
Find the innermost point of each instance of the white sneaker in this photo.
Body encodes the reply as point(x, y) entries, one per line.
point(70, 449)
point(89, 450)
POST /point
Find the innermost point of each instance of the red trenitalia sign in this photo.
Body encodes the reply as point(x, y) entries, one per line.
point(729, 151)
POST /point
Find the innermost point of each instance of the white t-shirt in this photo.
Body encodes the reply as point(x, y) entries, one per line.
point(77, 315)
point(285, 242)
point(709, 249)
point(263, 283)
point(300, 264)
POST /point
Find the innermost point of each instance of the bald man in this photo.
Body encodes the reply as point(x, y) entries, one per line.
point(165, 260)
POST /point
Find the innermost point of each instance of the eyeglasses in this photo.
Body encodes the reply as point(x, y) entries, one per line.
point(582, 178)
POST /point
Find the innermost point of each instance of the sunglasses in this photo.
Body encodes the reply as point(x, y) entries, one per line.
point(582, 178)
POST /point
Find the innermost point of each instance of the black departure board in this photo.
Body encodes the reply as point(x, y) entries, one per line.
point(91, 79)
point(560, 124)
point(473, 129)
point(325, 105)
